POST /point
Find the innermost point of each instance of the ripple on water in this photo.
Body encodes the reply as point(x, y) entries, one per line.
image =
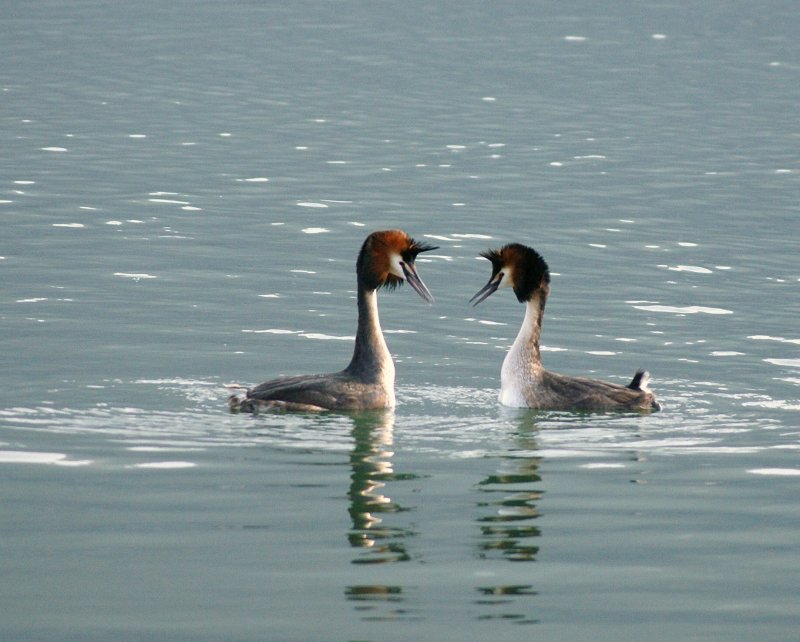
point(789, 363)
point(685, 309)
point(30, 457)
point(696, 269)
point(452, 422)
point(766, 337)
point(697, 419)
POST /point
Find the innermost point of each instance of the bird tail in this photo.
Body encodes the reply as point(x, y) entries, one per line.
point(640, 381)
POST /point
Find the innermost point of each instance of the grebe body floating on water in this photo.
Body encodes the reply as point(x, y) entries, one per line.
point(524, 383)
point(386, 260)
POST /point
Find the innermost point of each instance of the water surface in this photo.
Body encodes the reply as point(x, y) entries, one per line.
point(184, 189)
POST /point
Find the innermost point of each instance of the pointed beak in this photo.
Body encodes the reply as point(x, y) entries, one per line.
point(487, 290)
point(415, 282)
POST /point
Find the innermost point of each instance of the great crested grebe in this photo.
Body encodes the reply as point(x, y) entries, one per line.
point(524, 383)
point(386, 260)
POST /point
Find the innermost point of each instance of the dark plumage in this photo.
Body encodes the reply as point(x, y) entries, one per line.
point(385, 260)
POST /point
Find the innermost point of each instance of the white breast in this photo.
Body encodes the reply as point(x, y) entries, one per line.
point(511, 395)
point(515, 378)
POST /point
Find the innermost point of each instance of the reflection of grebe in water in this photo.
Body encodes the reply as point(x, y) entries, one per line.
point(371, 470)
point(510, 530)
point(386, 260)
point(524, 383)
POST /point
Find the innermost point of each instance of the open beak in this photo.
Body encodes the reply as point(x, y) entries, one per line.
point(487, 290)
point(415, 282)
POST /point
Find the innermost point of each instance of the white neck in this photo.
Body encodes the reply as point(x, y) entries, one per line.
point(523, 364)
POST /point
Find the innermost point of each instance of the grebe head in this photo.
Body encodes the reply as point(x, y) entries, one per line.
point(387, 259)
point(517, 266)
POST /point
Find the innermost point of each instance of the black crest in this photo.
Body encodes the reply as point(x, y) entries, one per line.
point(416, 247)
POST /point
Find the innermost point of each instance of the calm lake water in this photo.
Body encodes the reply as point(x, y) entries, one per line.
point(183, 190)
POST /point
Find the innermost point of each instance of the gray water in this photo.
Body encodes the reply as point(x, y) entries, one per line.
point(183, 189)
